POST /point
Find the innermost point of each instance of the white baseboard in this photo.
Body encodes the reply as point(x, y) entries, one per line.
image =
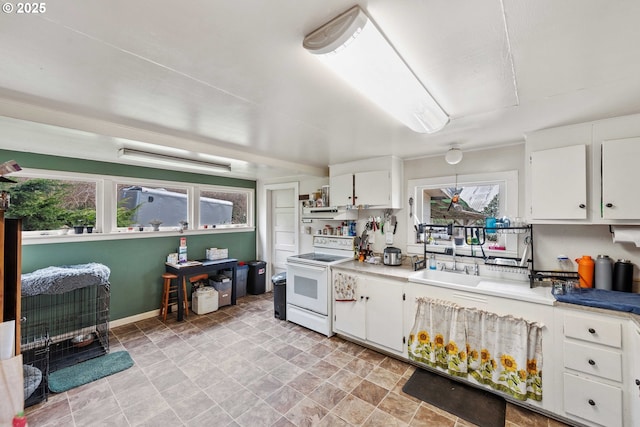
point(135, 318)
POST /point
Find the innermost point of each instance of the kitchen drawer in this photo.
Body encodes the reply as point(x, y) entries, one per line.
point(593, 360)
point(595, 329)
point(592, 401)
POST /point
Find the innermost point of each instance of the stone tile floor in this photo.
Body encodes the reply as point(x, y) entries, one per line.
point(239, 366)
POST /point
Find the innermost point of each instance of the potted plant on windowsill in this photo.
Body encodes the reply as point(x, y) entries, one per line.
point(83, 218)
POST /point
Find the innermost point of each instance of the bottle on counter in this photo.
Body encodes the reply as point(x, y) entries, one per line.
point(603, 277)
point(586, 267)
point(432, 262)
point(623, 275)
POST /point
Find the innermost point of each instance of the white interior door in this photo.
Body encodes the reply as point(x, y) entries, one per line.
point(283, 228)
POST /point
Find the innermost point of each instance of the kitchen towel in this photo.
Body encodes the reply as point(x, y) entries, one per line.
point(345, 287)
point(611, 300)
point(626, 235)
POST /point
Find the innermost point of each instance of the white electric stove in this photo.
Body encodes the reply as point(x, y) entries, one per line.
point(309, 282)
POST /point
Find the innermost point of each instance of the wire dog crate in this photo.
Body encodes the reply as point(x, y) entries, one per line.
point(62, 324)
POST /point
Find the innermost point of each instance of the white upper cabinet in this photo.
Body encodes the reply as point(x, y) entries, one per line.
point(341, 190)
point(620, 173)
point(372, 183)
point(583, 173)
point(559, 183)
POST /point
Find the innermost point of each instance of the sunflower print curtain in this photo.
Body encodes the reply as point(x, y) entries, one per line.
point(505, 353)
point(438, 336)
point(502, 352)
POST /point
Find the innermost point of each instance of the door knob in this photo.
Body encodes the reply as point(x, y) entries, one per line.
point(609, 205)
point(582, 206)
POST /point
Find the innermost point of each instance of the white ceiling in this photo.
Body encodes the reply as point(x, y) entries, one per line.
point(230, 78)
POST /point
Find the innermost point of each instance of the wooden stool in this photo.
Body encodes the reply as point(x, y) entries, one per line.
point(167, 290)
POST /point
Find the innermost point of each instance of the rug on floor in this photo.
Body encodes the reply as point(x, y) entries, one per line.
point(91, 370)
point(472, 404)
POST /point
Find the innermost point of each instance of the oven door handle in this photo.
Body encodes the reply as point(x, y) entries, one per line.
point(308, 267)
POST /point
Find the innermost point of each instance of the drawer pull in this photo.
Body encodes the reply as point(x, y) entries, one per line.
point(592, 331)
point(592, 362)
point(591, 402)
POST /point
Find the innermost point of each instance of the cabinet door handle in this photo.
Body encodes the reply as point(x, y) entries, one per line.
point(361, 297)
point(592, 362)
point(582, 206)
point(591, 402)
point(609, 205)
point(637, 382)
point(592, 331)
point(367, 298)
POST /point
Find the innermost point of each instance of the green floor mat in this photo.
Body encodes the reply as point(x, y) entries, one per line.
point(91, 370)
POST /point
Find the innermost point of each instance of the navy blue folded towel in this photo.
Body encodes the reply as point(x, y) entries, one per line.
point(611, 300)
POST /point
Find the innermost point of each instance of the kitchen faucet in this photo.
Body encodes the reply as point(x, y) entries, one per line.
point(454, 266)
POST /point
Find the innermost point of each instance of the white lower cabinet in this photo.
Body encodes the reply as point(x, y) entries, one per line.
point(633, 376)
point(375, 316)
point(594, 401)
point(594, 368)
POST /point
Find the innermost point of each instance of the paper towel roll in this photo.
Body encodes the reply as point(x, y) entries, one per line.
point(626, 235)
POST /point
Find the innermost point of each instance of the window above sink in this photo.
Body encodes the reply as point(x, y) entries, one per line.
point(464, 200)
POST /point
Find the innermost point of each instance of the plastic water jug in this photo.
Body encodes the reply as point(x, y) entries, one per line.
point(586, 266)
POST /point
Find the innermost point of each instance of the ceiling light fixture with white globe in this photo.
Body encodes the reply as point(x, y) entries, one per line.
point(453, 156)
point(353, 47)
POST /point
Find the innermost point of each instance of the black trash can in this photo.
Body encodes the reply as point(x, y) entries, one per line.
point(256, 277)
point(280, 295)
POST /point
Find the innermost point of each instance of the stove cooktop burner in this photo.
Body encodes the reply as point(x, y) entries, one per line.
point(320, 257)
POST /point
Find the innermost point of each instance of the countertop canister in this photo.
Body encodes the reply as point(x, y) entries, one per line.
point(585, 271)
point(603, 272)
point(623, 275)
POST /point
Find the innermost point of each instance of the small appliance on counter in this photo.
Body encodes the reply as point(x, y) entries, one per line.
point(392, 256)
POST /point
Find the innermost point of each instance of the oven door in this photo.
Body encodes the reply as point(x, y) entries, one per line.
point(307, 287)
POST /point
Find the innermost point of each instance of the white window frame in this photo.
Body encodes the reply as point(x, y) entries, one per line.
point(64, 176)
point(144, 182)
point(106, 205)
point(508, 182)
point(223, 189)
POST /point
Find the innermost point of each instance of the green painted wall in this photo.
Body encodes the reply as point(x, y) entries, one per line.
point(136, 264)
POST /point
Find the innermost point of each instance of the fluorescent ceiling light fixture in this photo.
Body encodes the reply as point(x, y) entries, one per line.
point(453, 156)
point(353, 47)
point(168, 160)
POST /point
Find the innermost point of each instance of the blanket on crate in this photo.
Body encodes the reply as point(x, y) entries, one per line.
point(65, 278)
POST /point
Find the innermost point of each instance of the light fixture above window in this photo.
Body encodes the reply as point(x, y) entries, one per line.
point(168, 160)
point(453, 156)
point(353, 46)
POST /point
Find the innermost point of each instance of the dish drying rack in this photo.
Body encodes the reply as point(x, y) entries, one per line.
point(475, 237)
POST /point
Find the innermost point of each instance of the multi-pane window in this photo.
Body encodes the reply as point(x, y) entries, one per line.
point(56, 203)
point(52, 205)
point(223, 207)
point(151, 206)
